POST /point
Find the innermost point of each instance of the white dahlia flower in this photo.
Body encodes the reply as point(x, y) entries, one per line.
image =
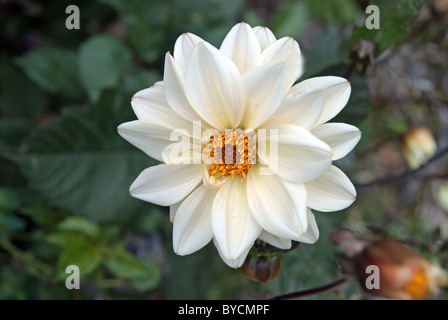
point(244, 152)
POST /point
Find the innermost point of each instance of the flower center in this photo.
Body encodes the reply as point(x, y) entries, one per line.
point(230, 153)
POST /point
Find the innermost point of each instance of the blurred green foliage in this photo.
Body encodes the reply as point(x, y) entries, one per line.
point(65, 172)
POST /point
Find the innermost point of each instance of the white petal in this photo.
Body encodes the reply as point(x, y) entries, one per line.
point(303, 110)
point(173, 210)
point(341, 137)
point(242, 47)
point(288, 51)
point(214, 87)
point(173, 81)
point(234, 263)
point(182, 49)
point(336, 91)
point(166, 184)
point(234, 227)
point(181, 153)
point(192, 228)
point(265, 87)
point(278, 206)
point(150, 105)
point(312, 233)
point(265, 36)
point(332, 191)
point(275, 241)
point(149, 137)
point(300, 155)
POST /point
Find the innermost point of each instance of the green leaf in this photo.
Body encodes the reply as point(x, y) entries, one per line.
point(142, 274)
point(42, 214)
point(12, 284)
point(9, 222)
point(103, 60)
point(144, 34)
point(396, 19)
point(8, 200)
point(12, 132)
point(78, 162)
point(291, 20)
point(138, 79)
point(152, 278)
point(342, 10)
point(330, 49)
point(81, 253)
point(54, 69)
point(80, 224)
point(125, 265)
point(63, 239)
point(19, 96)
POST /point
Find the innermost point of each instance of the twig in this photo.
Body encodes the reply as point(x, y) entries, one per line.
point(402, 176)
point(310, 292)
point(25, 257)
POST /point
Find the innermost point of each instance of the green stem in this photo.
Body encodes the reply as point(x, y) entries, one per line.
point(25, 257)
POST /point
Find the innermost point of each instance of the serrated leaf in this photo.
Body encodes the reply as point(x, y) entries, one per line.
point(86, 256)
point(79, 224)
point(79, 163)
point(54, 69)
point(125, 265)
point(103, 60)
point(63, 239)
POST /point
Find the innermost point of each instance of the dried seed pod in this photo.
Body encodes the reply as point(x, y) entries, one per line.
point(262, 267)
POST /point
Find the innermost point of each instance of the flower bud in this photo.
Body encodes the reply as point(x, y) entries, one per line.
point(418, 146)
point(402, 274)
point(388, 269)
point(262, 267)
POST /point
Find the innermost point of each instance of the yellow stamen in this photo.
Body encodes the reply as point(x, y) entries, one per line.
point(232, 145)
